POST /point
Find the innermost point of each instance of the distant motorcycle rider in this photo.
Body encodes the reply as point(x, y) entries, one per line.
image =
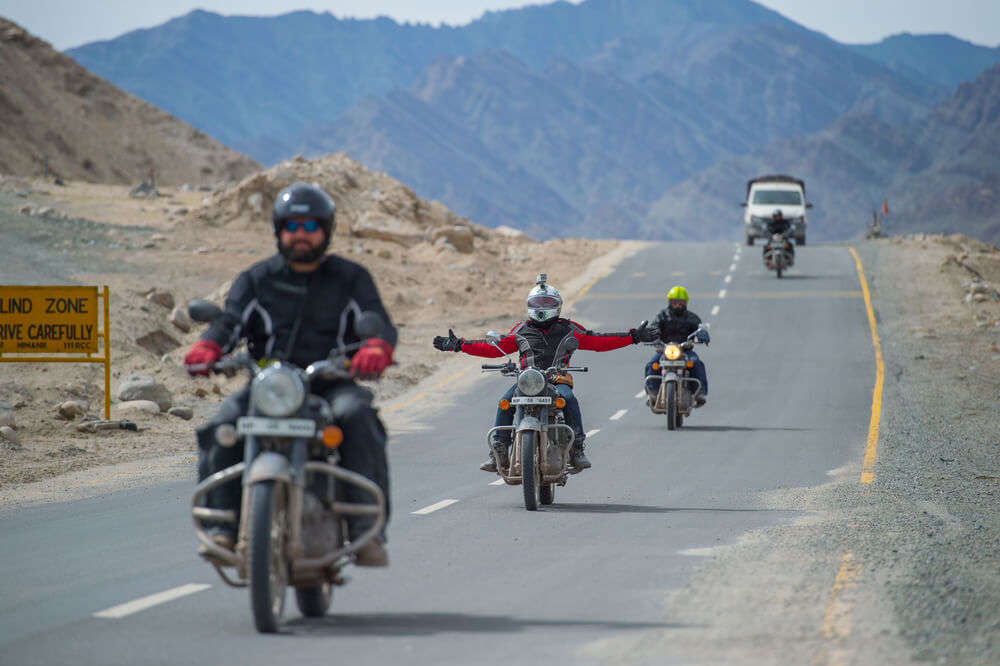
point(297, 306)
point(674, 324)
point(542, 332)
point(779, 225)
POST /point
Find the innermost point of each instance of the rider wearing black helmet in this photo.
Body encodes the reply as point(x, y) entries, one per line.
point(297, 305)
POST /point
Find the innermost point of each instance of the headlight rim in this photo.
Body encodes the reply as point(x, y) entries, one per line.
point(672, 352)
point(266, 407)
point(531, 375)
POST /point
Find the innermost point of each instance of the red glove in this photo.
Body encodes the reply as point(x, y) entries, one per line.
point(203, 351)
point(372, 359)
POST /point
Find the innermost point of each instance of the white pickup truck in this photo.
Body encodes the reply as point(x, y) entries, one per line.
point(765, 195)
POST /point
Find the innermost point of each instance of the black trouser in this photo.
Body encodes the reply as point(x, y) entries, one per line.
point(363, 449)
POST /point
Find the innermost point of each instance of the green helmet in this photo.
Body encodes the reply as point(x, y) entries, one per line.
point(678, 293)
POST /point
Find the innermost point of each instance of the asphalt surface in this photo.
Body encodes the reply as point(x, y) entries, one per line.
point(482, 580)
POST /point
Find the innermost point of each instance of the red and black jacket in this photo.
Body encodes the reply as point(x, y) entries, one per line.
point(537, 345)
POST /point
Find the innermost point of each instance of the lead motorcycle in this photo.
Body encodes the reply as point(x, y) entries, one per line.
point(779, 254)
point(678, 387)
point(539, 457)
point(291, 529)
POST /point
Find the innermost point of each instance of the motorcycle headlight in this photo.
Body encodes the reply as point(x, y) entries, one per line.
point(672, 352)
point(277, 391)
point(530, 382)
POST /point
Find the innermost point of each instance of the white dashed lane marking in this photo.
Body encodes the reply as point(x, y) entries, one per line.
point(132, 607)
point(498, 482)
point(591, 433)
point(434, 507)
point(617, 415)
point(640, 394)
point(732, 267)
point(729, 278)
point(715, 310)
point(722, 293)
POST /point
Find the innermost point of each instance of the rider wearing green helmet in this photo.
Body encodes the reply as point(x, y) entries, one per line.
point(674, 324)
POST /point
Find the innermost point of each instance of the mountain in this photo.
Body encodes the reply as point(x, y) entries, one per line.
point(54, 114)
point(941, 59)
point(559, 117)
point(940, 173)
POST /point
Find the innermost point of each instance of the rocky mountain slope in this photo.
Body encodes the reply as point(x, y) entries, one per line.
point(561, 118)
point(942, 59)
point(939, 173)
point(55, 114)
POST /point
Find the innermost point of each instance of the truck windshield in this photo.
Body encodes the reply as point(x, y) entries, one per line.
point(790, 197)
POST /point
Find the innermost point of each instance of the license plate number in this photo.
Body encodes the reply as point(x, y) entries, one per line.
point(259, 425)
point(525, 400)
point(673, 364)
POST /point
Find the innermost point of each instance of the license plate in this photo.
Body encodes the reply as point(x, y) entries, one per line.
point(525, 400)
point(259, 425)
point(673, 364)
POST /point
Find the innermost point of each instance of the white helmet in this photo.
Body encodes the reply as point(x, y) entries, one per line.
point(544, 302)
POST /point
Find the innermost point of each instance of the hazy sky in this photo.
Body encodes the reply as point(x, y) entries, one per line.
point(67, 23)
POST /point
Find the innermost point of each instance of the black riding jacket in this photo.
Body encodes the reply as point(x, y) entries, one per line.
point(673, 328)
point(267, 300)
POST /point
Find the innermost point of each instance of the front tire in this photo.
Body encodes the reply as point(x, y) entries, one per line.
point(529, 471)
point(268, 569)
point(750, 241)
point(800, 241)
point(314, 601)
point(671, 406)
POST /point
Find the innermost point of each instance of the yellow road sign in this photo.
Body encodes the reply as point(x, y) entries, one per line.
point(48, 320)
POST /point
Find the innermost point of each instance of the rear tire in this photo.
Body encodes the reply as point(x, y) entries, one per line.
point(750, 241)
point(800, 241)
point(268, 569)
point(529, 471)
point(314, 601)
point(671, 406)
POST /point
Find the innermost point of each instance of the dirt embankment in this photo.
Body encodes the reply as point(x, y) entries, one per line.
point(433, 269)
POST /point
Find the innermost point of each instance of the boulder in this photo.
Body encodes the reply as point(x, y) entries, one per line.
point(144, 406)
point(161, 297)
point(185, 413)
point(179, 318)
point(142, 387)
point(8, 434)
point(157, 342)
point(71, 409)
point(461, 238)
point(388, 229)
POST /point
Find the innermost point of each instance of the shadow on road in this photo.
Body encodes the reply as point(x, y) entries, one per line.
point(720, 428)
point(420, 624)
point(640, 508)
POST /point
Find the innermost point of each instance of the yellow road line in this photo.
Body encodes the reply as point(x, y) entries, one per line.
point(837, 619)
point(583, 292)
point(423, 394)
point(871, 446)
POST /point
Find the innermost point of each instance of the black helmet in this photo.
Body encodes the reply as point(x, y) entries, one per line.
point(777, 214)
point(304, 200)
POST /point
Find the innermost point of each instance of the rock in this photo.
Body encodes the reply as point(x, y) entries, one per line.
point(388, 229)
point(6, 414)
point(179, 318)
point(256, 202)
point(145, 406)
point(8, 434)
point(461, 238)
point(71, 409)
point(157, 342)
point(444, 244)
point(384, 254)
point(161, 297)
point(142, 387)
point(185, 413)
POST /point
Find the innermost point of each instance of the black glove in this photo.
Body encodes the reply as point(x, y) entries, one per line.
point(451, 343)
point(638, 333)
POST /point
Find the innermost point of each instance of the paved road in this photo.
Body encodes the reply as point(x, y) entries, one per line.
point(482, 580)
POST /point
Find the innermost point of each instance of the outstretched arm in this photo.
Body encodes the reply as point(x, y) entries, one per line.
point(592, 341)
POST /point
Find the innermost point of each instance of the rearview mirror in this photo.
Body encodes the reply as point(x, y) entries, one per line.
point(572, 344)
point(809, 205)
point(369, 325)
point(493, 337)
point(203, 311)
point(743, 205)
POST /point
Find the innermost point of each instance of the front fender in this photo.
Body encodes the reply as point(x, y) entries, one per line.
point(269, 466)
point(529, 423)
point(670, 377)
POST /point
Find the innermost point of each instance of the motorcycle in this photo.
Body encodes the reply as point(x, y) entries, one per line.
point(291, 528)
point(677, 387)
point(539, 457)
point(779, 253)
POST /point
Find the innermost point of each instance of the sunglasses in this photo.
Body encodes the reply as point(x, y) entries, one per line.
point(291, 226)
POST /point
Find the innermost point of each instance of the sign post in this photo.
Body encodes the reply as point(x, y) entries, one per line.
point(61, 322)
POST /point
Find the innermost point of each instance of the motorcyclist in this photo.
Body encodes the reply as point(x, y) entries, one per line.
point(778, 225)
point(543, 330)
point(297, 306)
point(674, 324)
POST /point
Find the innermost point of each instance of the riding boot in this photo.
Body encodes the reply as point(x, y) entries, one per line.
point(577, 458)
point(498, 453)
